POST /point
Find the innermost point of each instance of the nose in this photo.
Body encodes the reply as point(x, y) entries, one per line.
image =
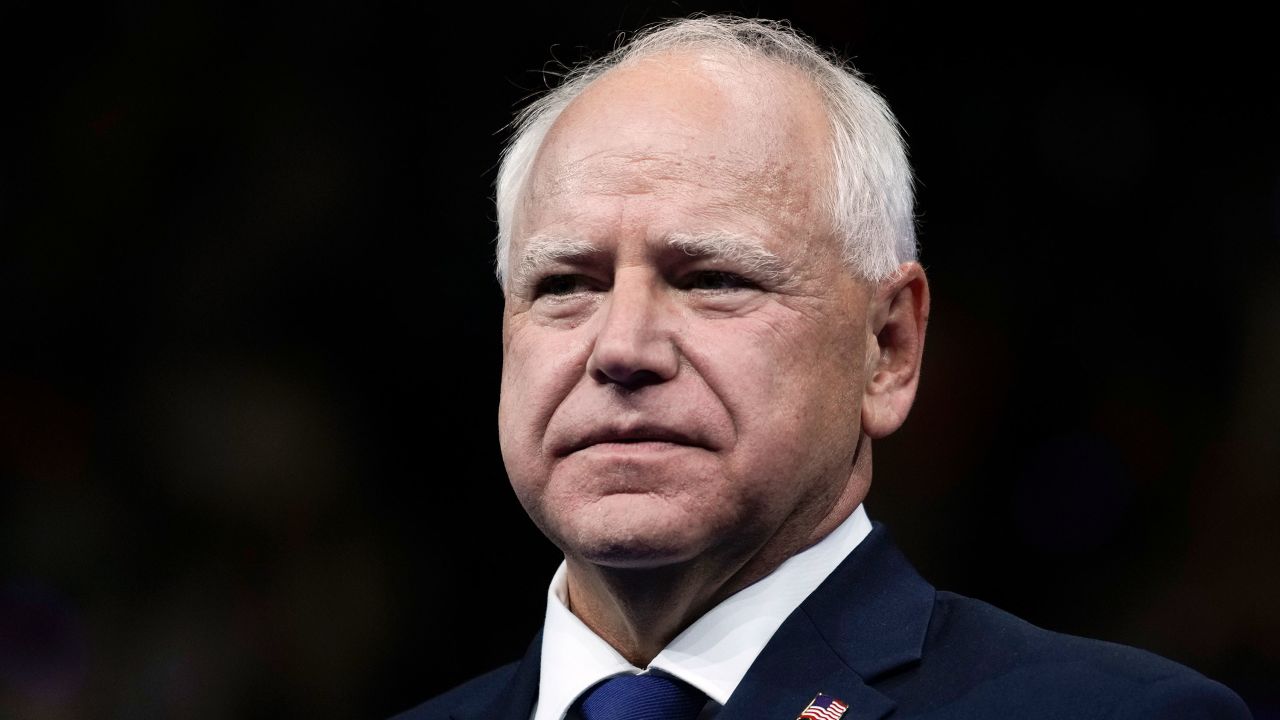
point(634, 346)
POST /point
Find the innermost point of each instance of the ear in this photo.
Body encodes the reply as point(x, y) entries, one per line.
point(897, 318)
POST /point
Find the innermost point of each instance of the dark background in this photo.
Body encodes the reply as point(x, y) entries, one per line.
point(250, 354)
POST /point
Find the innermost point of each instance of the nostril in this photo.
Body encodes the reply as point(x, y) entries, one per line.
point(626, 378)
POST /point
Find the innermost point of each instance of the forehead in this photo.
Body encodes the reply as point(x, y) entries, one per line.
point(734, 135)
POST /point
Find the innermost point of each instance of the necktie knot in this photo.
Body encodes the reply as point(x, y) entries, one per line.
point(642, 697)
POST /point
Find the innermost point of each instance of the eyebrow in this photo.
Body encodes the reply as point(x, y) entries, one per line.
point(744, 251)
point(542, 250)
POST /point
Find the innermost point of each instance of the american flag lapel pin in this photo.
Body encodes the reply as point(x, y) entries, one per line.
point(824, 707)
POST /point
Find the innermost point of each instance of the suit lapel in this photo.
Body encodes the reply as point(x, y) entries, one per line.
point(785, 678)
point(868, 618)
point(515, 701)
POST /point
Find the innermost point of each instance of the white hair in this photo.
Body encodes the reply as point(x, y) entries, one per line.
point(870, 198)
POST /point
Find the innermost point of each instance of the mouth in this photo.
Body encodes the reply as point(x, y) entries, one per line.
point(637, 437)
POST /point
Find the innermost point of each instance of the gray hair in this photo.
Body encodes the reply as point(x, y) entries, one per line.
point(870, 200)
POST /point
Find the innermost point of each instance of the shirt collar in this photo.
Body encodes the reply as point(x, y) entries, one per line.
point(712, 654)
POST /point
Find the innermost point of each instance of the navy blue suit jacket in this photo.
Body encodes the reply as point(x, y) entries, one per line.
point(880, 638)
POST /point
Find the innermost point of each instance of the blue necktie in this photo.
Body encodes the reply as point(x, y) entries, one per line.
point(642, 697)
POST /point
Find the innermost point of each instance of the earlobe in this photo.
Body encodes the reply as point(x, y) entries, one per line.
point(898, 318)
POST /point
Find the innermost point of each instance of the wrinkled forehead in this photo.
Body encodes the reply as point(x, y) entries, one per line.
point(735, 127)
point(748, 182)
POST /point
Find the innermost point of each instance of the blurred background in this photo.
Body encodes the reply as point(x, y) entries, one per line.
point(250, 351)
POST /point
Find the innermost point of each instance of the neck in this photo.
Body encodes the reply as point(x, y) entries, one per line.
point(639, 611)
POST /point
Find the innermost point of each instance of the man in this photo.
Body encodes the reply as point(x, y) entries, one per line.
point(713, 310)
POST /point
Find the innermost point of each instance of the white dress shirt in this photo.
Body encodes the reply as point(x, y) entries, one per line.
point(712, 654)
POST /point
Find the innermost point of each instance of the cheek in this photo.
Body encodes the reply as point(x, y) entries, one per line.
point(539, 368)
point(782, 366)
point(794, 393)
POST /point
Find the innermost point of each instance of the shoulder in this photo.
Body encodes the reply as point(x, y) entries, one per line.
point(468, 699)
point(979, 656)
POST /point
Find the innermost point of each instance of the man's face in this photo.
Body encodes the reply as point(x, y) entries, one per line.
point(683, 347)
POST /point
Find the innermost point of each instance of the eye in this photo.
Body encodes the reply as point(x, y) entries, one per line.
point(717, 280)
point(559, 285)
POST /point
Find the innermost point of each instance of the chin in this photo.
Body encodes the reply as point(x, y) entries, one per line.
point(631, 556)
point(636, 532)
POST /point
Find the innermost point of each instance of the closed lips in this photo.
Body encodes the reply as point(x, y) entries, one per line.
point(635, 435)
